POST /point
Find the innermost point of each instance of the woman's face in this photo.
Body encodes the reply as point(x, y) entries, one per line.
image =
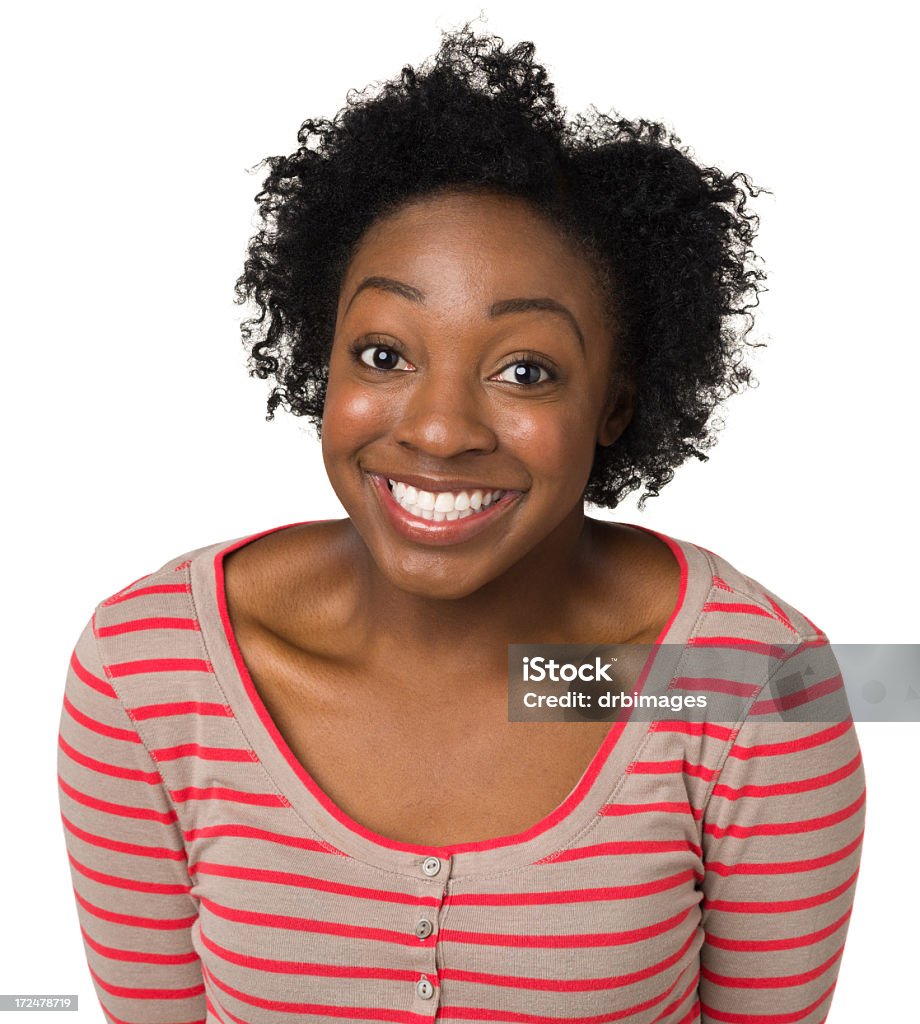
point(472, 366)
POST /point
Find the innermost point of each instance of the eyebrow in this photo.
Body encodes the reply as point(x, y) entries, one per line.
point(388, 284)
point(544, 305)
point(503, 308)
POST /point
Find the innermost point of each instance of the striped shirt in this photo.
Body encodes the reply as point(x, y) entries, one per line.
point(698, 872)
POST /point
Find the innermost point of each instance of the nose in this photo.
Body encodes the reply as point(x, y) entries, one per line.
point(444, 416)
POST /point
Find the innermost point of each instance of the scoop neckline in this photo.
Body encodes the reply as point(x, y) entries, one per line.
point(333, 826)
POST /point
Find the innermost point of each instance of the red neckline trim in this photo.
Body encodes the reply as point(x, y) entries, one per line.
point(549, 821)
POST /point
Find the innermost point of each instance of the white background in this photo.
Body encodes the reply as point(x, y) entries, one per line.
point(132, 433)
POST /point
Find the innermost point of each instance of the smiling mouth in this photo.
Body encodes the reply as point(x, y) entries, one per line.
point(443, 523)
point(442, 506)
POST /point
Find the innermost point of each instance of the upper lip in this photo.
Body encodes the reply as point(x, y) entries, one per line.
point(429, 483)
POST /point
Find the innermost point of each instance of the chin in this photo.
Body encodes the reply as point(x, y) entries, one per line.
point(435, 578)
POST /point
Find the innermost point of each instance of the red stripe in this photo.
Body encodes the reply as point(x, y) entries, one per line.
point(183, 707)
point(718, 732)
point(787, 788)
point(121, 810)
point(102, 768)
point(113, 732)
point(205, 753)
point(311, 882)
point(309, 924)
point(770, 945)
point(260, 963)
point(782, 906)
point(769, 1018)
point(672, 1007)
point(157, 588)
point(135, 885)
point(808, 695)
point(147, 993)
point(85, 676)
point(567, 984)
point(820, 632)
point(815, 739)
point(134, 849)
point(133, 668)
point(576, 941)
point(626, 849)
point(715, 685)
point(611, 892)
point(662, 806)
point(736, 608)
point(666, 806)
point(248, 832)
point(740, 643)
point(699, 771)
point(157, 622)
point(136, 956)
point(117, 596)
point(153, 923)
point(786, 828)
point(223, 793)
point(515, 1017)
point(323, 1009)
point(781, 615)
point(785, 867)
point(212, 1009)
point(118, 1020)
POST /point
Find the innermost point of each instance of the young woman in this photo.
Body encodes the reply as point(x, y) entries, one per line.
point(289, 784)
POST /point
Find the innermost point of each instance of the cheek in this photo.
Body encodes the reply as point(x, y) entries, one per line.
point(351, 415)
point(556, 442)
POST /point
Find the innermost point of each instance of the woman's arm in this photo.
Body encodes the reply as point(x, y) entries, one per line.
point(127, 858)
point(782, 838)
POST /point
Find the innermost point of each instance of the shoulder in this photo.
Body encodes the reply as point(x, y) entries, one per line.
point(735, 597)
point(262, 559)
point(713, 596)
point(165, 599)
point(266, 577)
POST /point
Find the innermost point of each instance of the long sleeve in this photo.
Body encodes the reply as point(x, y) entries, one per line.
point(782, 838)
point(127, 859)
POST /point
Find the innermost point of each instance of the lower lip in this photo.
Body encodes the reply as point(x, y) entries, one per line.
point(450, 531)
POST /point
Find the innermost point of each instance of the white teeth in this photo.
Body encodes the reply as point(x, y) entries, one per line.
point(441, 506)
point(444, 502)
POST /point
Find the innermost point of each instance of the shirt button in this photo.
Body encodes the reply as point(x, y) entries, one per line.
point(424, 928)
point(431, 866)
point(424, 988)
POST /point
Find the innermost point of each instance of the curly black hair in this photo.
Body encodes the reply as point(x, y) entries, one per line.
point(672, 238)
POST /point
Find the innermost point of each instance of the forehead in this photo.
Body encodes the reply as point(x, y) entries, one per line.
point(473, 249)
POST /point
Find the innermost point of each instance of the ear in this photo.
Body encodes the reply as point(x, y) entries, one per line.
point(617, 413)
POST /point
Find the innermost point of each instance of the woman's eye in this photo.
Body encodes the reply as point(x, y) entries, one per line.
point(382, 358)
point(524, 373)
